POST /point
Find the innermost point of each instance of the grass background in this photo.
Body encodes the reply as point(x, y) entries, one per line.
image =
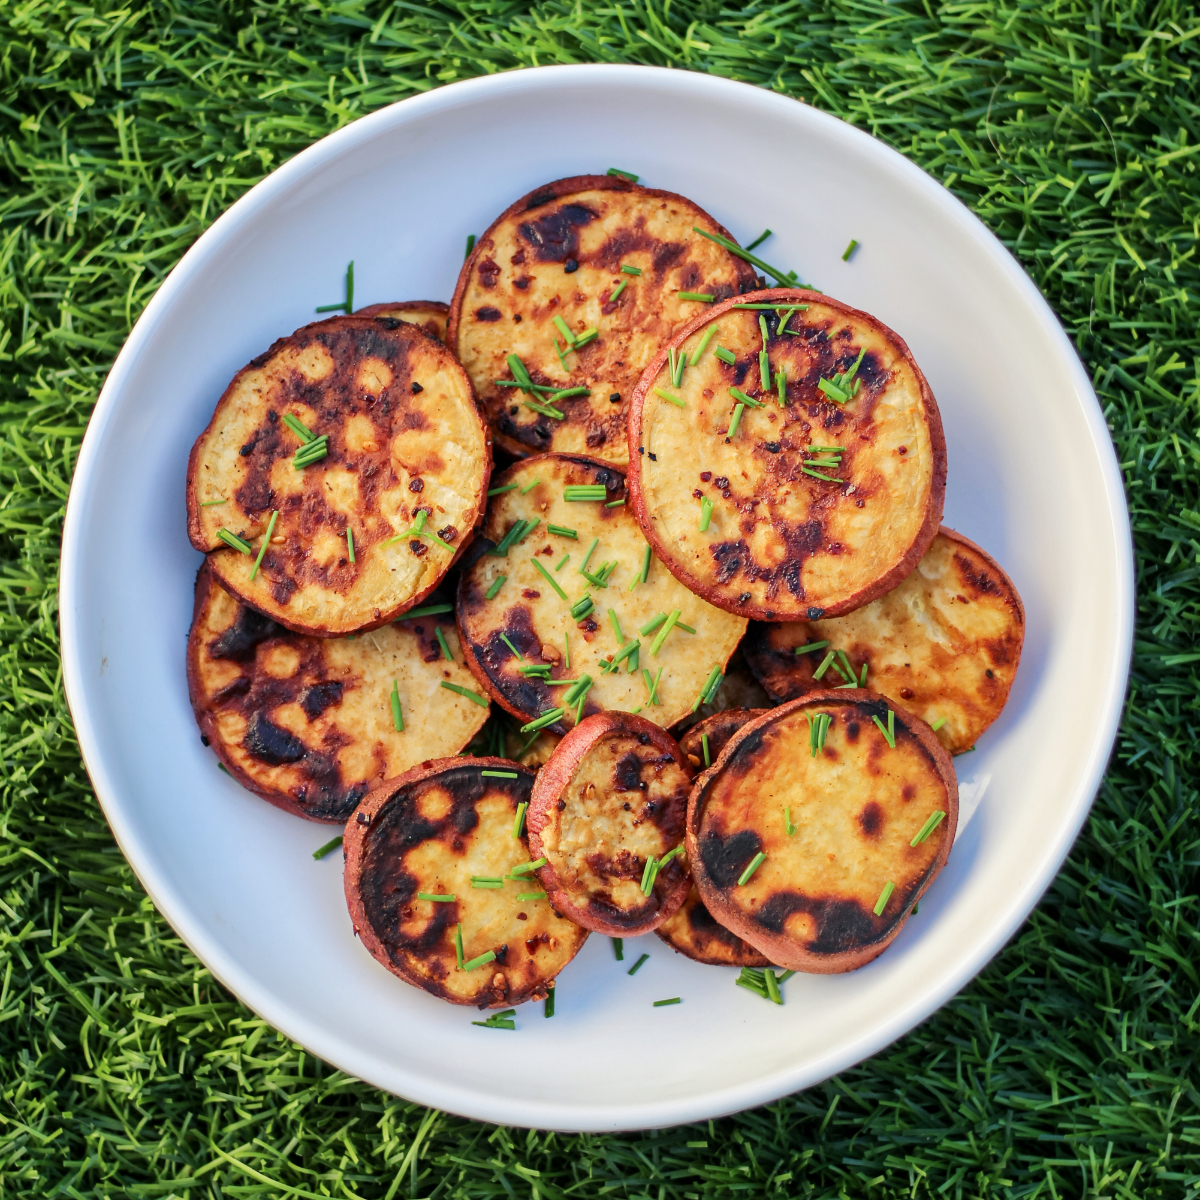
point(1068, 1068)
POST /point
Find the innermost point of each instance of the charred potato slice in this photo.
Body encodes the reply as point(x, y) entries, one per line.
point(693, 931)
point(556, 256)
point(440, 830)
point(945, 643)
point(429, 315)
point(807, 508)
point(405, 475)
point(516, 640)
point(606, 809)
point(307, 723)
point(801, 834)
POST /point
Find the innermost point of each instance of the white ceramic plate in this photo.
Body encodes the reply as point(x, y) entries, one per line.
point(1033, 479)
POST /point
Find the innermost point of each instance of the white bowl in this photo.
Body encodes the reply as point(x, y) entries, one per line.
point(1033, 479)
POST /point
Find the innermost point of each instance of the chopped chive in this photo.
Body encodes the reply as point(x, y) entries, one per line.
point(742, 398)
point(615, 504)
point(758, 241)
point(670, 854)
point(623, 174)
point(884, 897)
point(588, 335)
point(441, 640)
point(850, 249)
point(588, 556)
point(350, 541)
point(526, 868)
point(470, 246)
point(888, 730)
point(737, 420)
point(520, 373)
point(706, 508)
point(549, 578)
point(519, 823)
point(788, 826)
point(446, 899)
point(547, 718)
point(698, 353)
point(863, 681)
point(548, 1008)
point(772, 986)
point(614, 621)
point(711, 684)
point(810, 647)
point(487, 957)
point(652, 685)
point(818, 475)
point(630, 270)
point(582, 686)
point(762, 329)
point(562, 328)
point(618, 290)
point(582, 607)
point(232, 539)
point(563, 531)
point(702, 297)
point(788, 280)
point(474, 697)
point(531, 895)
point(566, 651)
point(497, 584)
point(726, 356)
point(562, 562)
point(771, 307)
point(516, 652)
point(938, 724)
point(267, 541)
point(661, 636)
point(652, 624)
point(501, 548)
point(663, 1003)
point(675, 400)
point(781, 386)
point(568, 393)
point(477, 881)
point(764, 372)
point(500, 774)
point(626, 651)
point(562, 358)
point(539, 669)
point(755, 863)
point(923, 833)
point(787, 315)
point(704, 748)
point(618, 945)
point(458, 945)
point(210, 503)
point(546, 410)
point(834, 392)
point(648, 874)
point(496, 491)
point(849, 674)
point(498, 1021)
point(826, 662)
point(328, 848)
point(298, 427)
point(585, 491)
point(637, 965)
point(531, 386)
point(397, 714)
point(645, 564)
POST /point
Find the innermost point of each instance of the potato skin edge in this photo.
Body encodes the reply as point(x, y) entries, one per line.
point(937, 437)
point(778, 948)
point(548, 786)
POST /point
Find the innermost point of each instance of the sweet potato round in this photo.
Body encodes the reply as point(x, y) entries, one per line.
point(429, 315)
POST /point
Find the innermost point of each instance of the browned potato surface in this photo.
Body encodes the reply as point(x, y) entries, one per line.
point(819, 504)
point(608, 805)
point(556, 255)
point(739, 690)
point(807, 898)
point(945, 643)
point(405, 438)
point(527, 626)
point(437, 831)
point(429, 315)
point(307, 723)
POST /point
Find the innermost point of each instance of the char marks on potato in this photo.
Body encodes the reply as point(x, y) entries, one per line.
point(307, 723)
point(429, 315)
point(557, 253)
point(834, 829)
point(524, 639)
point(945, 643)
point(606, 809)
point(431, 832)
point(812, 506)
point(405, 474)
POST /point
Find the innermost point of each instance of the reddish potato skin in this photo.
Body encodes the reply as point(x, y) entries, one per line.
point(780, 949)
point(937, 497)
point(549, 785)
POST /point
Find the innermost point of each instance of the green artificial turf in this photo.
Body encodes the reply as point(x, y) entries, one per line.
point(1068, 1068)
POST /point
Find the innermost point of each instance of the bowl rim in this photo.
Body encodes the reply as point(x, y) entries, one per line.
point(445, 1094)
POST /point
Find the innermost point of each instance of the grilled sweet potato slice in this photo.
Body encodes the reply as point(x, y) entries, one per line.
point(407, 455)
point(556, 255)
point(800, 836)
point(810, 507)
point(516, 641)
point(307, 723)
point(693, 931)
point(442, 830)
point(945, 643)
point(429, 315)
point(606, 809)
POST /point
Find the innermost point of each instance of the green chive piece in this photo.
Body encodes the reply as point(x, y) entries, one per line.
point(470, 246)
point(447, 899)
point(704, 747)
point(516, 652)
point(562, 562)
point(762, 328)
point(350, 541)
point(884, 897)
point(441, 640)
point(938, 724)
point(755, 863)
point(547, 718)
point(781, 386)
point(706, 508)
point(474, 697)
point(637, 965)
point(788, 826)
point(652, 624)
point(737, 420)
point(623, 174)
point(458, 945)
point(562, 328)
point(675, 400)
point(711, 684)
point(849, 673)
point(566, 651)
point(702, 297)
point(615, 504)
point(923, 833)
point(397, 714)
point(210, 503)
point(742, 398)
point(787, 316)
point(588, 335)
point(818, 475)
point(546, 410)
point(500, 774)
point(298, 427)
point(232, 539)
point(531, 895)
point(563, 531)
point(811, 647)
point(834, 392)
point(863, 681)
point(549, 578)
point(618, 290)
point(850, 249)
point(788, 279)
point(519, 823)
point(548, 1007)
point(582, 607)
point(698, 353)
point(772, 986)
point(496, 491)
point(618, 945)
point(267, 541)
point(588, 556)
point(585, 491)
point(664, 1003)
point(482, 960)
point(764, 371)
point(328, 848)
point(758, 241)
point(497, 584)
point(888, 730)
point(775, 307)
point(726, 356)
point(614, 621)
point(520, 373)
point(499, 1020)
point(478, 881)
point(661, 636)
point(826, 662)
point(629, 270)
point(526, 868)
point(536, 387)
point(630, 648)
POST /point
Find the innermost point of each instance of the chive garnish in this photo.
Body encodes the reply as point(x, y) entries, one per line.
point(562, 562)
point(397, 713)
point(818, 730)
point(623, 174)
point(458, 945)
point(497, 584)
point(645, 564)
point(848, 671)
point(520, 373)
point(585, 491)
point(446, 899)
point(811, 647)
point(546, 410)
point(582, 607)
point(519, 823)
point(566, 651)
point(663, 1003)
point(267, 541)
point(470, 246)
point(788, 827)
point(706, 508)
point(711, 684)
point(661, 636)
point(755, 863)
point(526, 868)
point(232, 539)
point(762, 329)
point(614, 621)
point(884, 897)
point(618, 290)
point(610, 665)
point(500, 774)
point(670, 854)
point(737, 420)
point(328, 848)
point(637, 965)
point(938, 724)
point(863, 681)
point(704, 748)
point(775, 308)
point(742, 398)
point(588, 335)
point(311, 453)
point(888, 730)
point(615, 504)
point(675, 400)
point(562, 328)
point(349, 541)
point(478, 881)
point(474, 697)
point(299, 428)
point(563, 531)
point(702, 297)
point(758, 241)
point(588, 556)
point(500, 1020)
point(826, 662)
point(923, 833)
point(726, 356)
point(210, 503)
point(549, 578)
point(547, 718)
point(652, 624)
point(540, 669)
point(531, 895)
point(772, 986)
point(427, 610)
point(531, 386)
point(618, 945)
point(581, 688)
point(630, 270)
point(486, 957)
point(781, 386)
point(788, 280)
point(698, 353)
point(850, 249)
point(548, 1007)
point(516, 652)
point(441, 641)
point(786, 317)
point(652, 685)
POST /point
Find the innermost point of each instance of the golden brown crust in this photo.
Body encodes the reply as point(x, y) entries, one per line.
point(535, 620)
point(306, 723)
point(404, 435)
point(855, 806)
point(430, 831)
point(515, 282)
point(429, 315)
point(739, 689)
point(612, 797)
point(945, 643)
point(783, 544)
